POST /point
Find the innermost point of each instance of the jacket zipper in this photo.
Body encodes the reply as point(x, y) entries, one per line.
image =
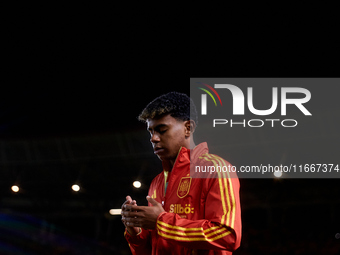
point(170, 178)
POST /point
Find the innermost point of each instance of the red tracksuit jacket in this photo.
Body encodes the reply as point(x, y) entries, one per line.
point(202, 215)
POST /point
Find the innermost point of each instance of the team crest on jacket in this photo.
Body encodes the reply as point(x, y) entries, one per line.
point(184, 187)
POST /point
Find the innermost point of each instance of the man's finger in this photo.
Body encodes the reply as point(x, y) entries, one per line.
point(132, 221)
point(131, 214)
point(152, 201)
point(125, 203)
point(129, 207)
point(133, 224)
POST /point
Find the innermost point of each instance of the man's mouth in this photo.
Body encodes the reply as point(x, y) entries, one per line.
point(158, 150)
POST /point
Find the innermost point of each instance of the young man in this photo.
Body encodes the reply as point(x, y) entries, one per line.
point(185, 215)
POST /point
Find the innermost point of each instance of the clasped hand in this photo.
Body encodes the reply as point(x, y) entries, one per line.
point(140, 216)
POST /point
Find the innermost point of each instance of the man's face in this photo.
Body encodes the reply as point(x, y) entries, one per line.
point(168, 135)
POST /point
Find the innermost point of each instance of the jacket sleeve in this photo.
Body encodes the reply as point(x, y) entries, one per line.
point(221, 227)
point(139, 244)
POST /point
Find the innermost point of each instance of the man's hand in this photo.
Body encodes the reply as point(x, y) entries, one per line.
point(142, 216)
point(131, 230)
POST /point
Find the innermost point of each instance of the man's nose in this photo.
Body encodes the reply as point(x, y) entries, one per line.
point(154, 138)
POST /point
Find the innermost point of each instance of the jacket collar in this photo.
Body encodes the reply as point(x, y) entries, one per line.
point(184, 156)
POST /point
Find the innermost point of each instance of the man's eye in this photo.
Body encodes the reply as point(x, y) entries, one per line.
point(162, 131)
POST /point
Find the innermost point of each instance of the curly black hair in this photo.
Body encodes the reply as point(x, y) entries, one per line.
point(178, 105)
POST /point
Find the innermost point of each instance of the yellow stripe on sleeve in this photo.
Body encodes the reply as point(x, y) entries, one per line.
point(193, 238)
point(227, 190)
point(179, 228)
point(210, 157)
point(180, 233)
point(230, 214)
point(219, 229)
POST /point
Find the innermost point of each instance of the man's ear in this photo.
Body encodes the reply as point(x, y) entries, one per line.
point(190, 127)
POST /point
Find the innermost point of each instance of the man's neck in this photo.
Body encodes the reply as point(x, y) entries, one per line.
point(168, 164)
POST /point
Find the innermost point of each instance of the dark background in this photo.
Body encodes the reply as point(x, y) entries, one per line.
point(72, 86)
